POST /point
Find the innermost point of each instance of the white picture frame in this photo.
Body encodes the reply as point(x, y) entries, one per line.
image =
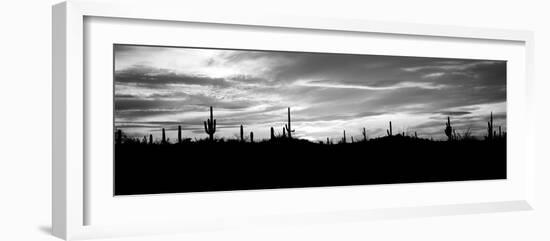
point(71, 190)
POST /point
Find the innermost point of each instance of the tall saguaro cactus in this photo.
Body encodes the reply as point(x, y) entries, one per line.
point(150, 139)
point(163, 137)
point(490, 133)
point(389, 131)
point(288, 127)
point(179, 134)
point(344, 138)
point(449, 129)
point(242, 133)
point(210, 125)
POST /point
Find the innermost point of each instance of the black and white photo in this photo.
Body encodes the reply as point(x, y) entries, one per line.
point(203, 119)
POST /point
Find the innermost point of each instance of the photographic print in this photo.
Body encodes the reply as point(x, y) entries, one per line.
point(204, 119)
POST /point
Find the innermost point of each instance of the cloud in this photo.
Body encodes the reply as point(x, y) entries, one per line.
point(134, 107)
point(433, 75)
point(450, 65)
point(454, 113)
point(150, 76)
point(398, 85)
point(336, 117)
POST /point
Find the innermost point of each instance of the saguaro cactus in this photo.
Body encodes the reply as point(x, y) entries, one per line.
point(210, 125)
point(179, 134)
point(288, 127)
point(490, 128)
point(252, 137)
point(150, 139)
point(415, 135)
point(390, 133)
point(364, 134)
point(449, 129)
point(272, 134)
point(284, 132)
point(163, 137)
point(242, 133)
point(328, 141)
point(344, 138)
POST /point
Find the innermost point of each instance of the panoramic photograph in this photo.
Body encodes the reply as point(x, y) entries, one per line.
point(204, 119)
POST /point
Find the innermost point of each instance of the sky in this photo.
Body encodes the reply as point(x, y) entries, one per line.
point(163, 87)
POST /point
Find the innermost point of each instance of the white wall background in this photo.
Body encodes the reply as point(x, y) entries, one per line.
point(25, 120)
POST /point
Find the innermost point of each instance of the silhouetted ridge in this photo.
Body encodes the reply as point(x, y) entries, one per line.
point(146, 165)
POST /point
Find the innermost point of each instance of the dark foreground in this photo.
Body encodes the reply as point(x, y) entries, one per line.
point(203, 166)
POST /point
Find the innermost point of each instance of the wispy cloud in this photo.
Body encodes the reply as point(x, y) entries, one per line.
point(434, 75)
point(451, 65)
point(401, 85)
